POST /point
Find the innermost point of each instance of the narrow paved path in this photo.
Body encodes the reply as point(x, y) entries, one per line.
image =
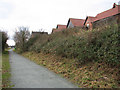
point(27, 74)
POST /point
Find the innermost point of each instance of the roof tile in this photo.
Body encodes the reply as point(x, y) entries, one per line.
point(77, 22)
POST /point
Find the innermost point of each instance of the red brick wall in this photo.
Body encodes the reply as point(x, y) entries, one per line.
point(106, 21)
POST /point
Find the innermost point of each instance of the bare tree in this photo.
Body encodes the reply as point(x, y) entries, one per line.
point(21, 36)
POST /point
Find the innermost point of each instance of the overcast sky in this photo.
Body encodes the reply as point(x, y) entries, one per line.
point(46, 14)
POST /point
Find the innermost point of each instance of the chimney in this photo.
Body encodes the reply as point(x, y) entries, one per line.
point(114, 5)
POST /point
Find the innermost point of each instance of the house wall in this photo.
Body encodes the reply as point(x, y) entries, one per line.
point(107, 13)
point(70, 25)
point(90, 24)
point(53, 30)
point(106, 21)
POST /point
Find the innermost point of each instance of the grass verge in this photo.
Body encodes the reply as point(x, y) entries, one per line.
point(90, 75)
point(5, 70)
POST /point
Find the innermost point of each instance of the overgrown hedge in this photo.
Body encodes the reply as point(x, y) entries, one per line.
point(83, 46)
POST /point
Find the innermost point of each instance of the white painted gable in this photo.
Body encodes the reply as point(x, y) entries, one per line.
point(70, 25)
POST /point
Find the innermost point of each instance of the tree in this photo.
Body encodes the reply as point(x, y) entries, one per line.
point(21, 37)
point(4, 37)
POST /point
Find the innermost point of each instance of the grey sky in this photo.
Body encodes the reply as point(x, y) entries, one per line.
point(46, 14)
point(5, 9)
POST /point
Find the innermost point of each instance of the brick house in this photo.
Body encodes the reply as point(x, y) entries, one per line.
point(88, 22)
point(108, 13)
point(53, 30)
point(58, 28)
point(72, 22)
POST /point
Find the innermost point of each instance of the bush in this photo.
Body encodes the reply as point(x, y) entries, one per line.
point(4, 40)
point(83, 46)
point(30, 42)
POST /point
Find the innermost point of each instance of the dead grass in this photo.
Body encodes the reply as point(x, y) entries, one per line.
point(90, 75)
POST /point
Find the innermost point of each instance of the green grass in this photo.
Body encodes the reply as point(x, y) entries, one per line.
point(6, 70)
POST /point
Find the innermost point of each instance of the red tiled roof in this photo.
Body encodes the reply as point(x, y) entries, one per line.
point(115, 10)
point(58, 28)
point(61, 26)
point(90, 19)
point(77, 22)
